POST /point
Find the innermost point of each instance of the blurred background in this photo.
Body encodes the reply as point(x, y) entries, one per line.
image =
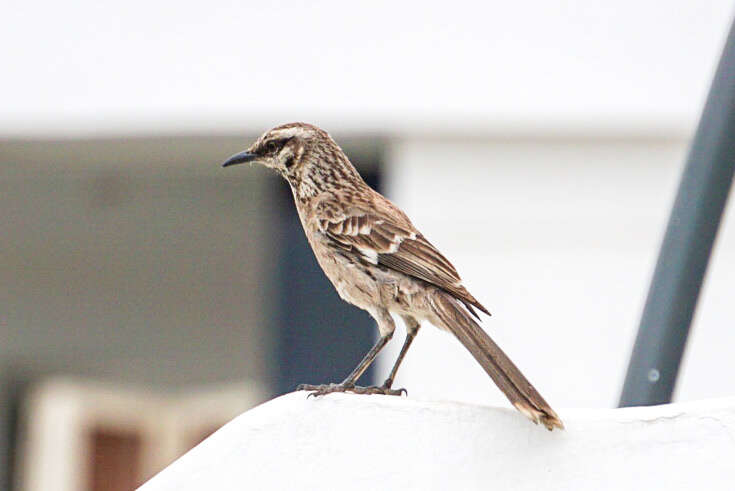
point(147, 295)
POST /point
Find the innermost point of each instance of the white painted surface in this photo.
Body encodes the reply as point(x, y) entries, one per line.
point(378, 442)
point(171, 65)
point(558, 238)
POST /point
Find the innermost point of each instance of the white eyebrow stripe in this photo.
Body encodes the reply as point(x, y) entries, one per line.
point(290, 132)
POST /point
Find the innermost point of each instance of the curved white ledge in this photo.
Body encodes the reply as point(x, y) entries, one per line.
point(346, 441)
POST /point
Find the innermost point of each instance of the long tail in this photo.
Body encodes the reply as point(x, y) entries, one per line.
point(504, 373)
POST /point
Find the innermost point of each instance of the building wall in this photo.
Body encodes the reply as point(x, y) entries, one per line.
point(141, 263)
point(558, 238)
point(133, 260)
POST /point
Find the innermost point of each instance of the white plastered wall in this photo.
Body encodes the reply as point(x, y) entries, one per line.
point(558, 238)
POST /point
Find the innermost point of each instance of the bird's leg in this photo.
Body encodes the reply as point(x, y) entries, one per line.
point(412, 327)
point(348, 384)
point(386, 326)
point(366, 361)
point(389, 381)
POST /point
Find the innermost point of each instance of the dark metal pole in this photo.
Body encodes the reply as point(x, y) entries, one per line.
point(687, 245)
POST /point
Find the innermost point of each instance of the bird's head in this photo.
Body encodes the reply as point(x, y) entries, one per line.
point(306, 156)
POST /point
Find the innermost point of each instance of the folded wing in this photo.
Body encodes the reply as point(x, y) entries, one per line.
point(390, 240)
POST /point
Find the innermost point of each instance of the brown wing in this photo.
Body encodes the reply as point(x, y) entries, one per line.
point(390, 240)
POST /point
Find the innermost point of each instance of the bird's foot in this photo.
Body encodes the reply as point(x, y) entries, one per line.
point(374, 389)
point(324, 389)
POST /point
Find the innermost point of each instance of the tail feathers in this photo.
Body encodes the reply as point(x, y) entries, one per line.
point(501, 369)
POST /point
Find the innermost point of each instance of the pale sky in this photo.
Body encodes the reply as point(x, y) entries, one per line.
point(87, 66)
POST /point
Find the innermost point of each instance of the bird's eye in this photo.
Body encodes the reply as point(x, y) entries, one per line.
point(271, 146)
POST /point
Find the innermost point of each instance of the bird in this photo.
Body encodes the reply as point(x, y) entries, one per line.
point(380, 262)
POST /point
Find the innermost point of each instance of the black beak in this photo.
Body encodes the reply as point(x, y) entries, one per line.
point(240, 158)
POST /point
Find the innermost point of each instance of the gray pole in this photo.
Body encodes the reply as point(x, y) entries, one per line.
point(687, 244)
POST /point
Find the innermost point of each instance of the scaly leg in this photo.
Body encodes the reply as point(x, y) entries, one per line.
point(412, 328)
point(386, 326)
point(348, 384)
